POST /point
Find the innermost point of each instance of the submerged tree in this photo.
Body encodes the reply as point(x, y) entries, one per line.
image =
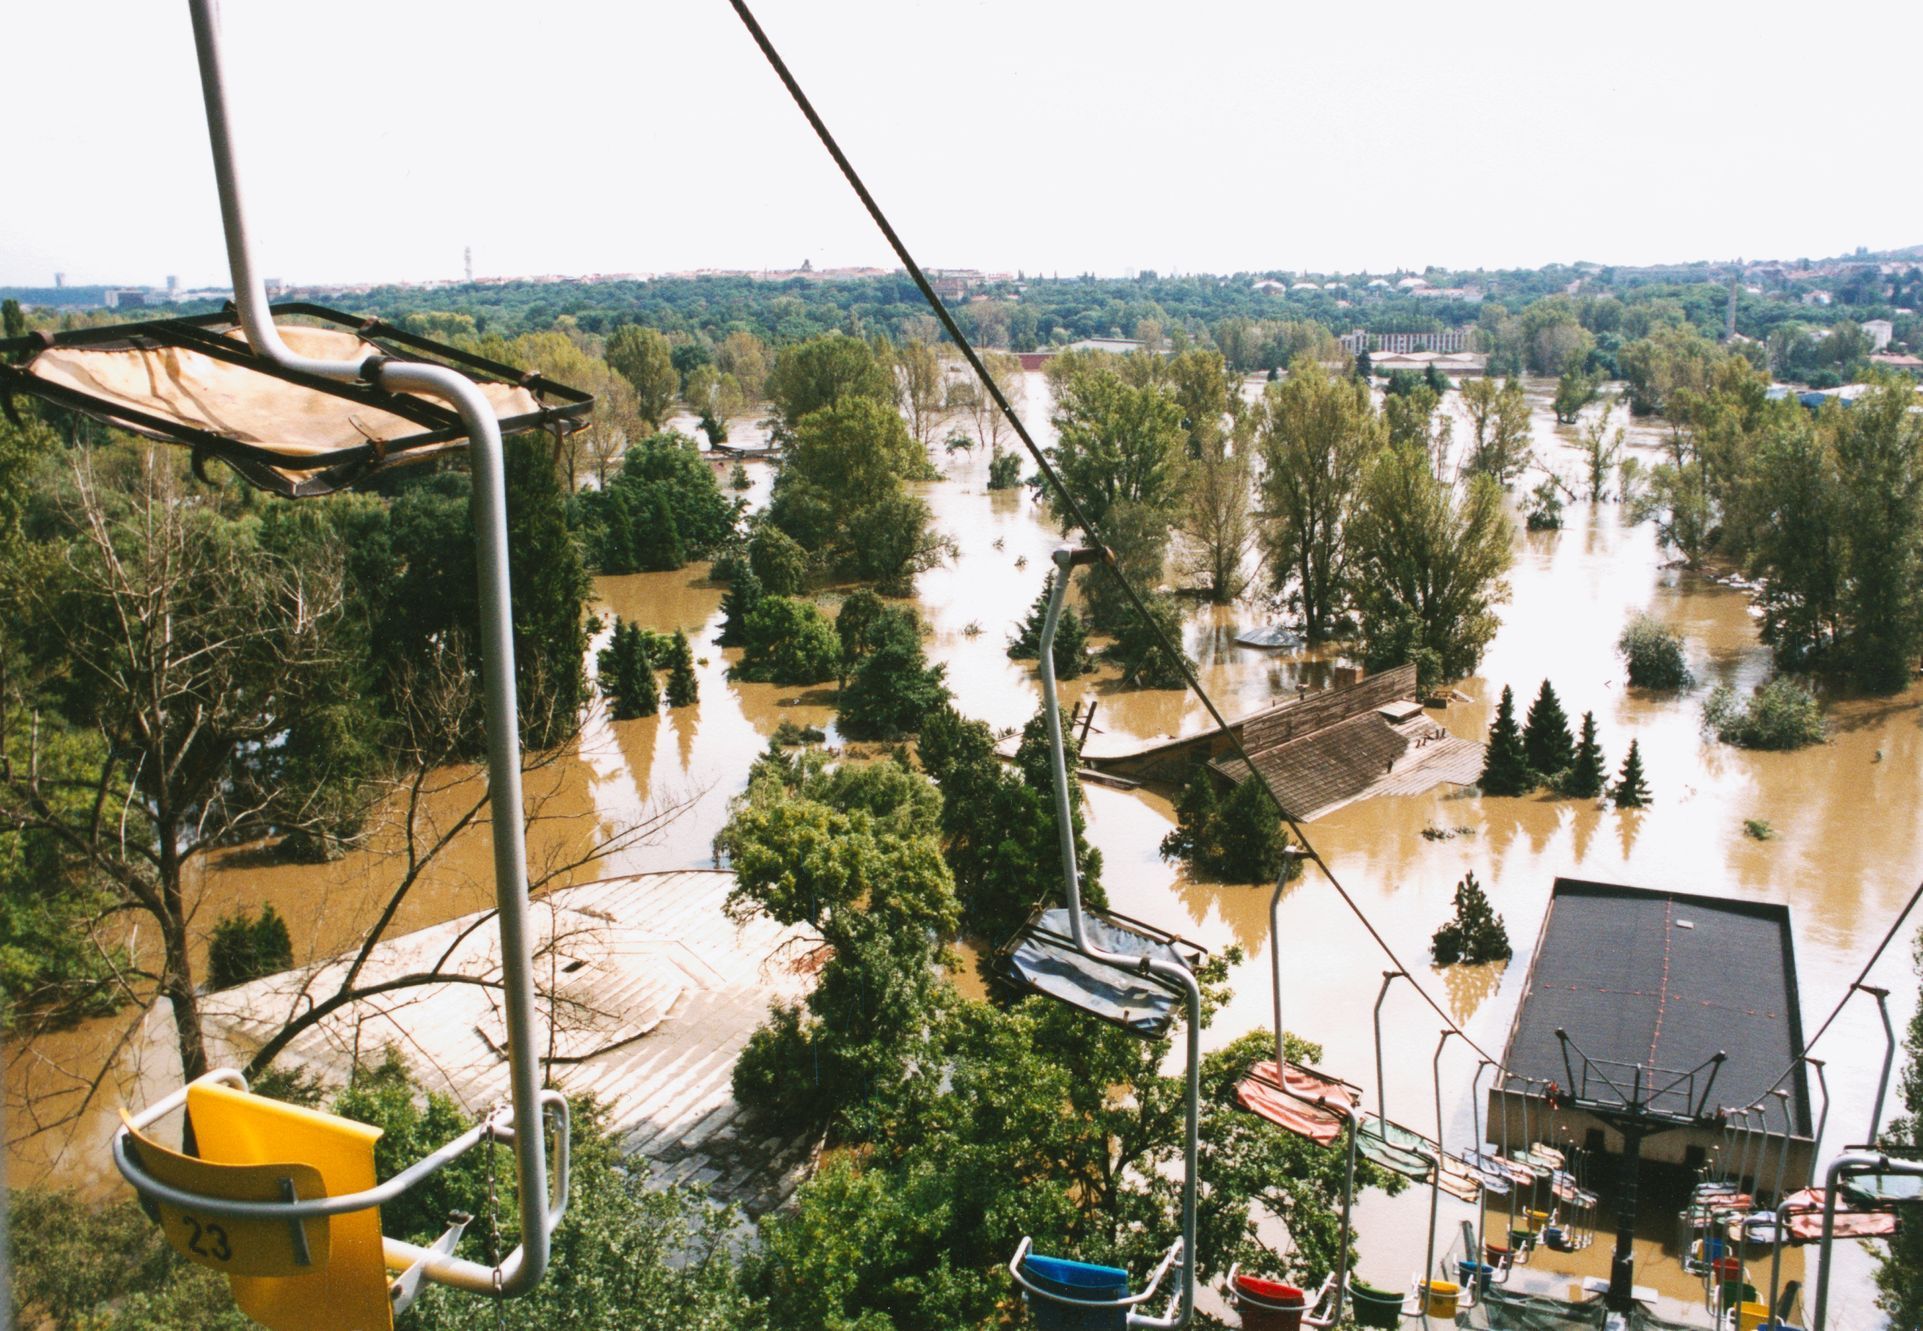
point(1587, 774)
point(1234, 839)
point(1316, 436)
point(1505, 766)
point(627, 673)
point(684, 690)
point(1546, 741)
point(1653, 655)
point(893, 688)
point(1631, 791)
point(1071, 636)
point(1476, 933)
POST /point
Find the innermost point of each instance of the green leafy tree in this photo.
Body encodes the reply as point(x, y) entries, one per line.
point(1071, 636)
point(1316, 436)
point(1004, 471)
point(827, 373)
point(998, 824)
point(1505, 765)
point(1631, 790)
point(1475, 934)
point(1546, 741)
point(13, 323)
point(645, 359)
point(893, 689)
point(841, 495)
point(787, 641)
point(1574, 391)
point(1587, 775)
point(1217, 518)
point(659, 510)
point(1545, 507)
point(1427, 562)
point(1879, 450)
point(778, 560)
point(684, 690)
point(245, 947)
point(1499, 427)
point(1653, 654)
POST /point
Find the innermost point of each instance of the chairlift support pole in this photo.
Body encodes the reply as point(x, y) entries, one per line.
point(1435, 1178)
point(1882, 997)
point(1778, 1227)
point(1067, 559)
point(523, 1269)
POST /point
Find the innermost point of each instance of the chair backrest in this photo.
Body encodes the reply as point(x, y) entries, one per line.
point(235, 1247)
point(350, 1290)
point(1268, 1305)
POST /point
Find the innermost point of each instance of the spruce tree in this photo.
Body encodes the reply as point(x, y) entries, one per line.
point(627, 675)
point(657, 537)
point(683, 689)
point(1546, 742)
point(743, 598)
point(1071, 636)
point(1631, 791)
point(1587, 775)
point(1505, 768)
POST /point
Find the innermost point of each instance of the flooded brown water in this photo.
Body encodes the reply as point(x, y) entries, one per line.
point(1847, 849)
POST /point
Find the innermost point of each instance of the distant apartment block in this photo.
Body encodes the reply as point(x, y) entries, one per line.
point(1450, 340)
point(1879, 331)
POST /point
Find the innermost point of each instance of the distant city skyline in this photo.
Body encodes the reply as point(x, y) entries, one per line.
point(1050, 139)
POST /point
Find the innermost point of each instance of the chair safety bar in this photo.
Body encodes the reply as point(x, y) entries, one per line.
point(1850, 1162)
point(438, 1266)
point(1169, 1259)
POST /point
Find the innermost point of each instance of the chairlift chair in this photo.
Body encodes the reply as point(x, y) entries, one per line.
point(281, 1198)
point(1311, 1104)
point(1070, 961)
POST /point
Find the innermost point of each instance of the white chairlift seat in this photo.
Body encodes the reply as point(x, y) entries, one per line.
point(1042, 958)
point(197, 382)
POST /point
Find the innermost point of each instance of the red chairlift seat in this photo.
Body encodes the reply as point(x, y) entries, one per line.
point(1804, 1213)
point(1297, 1102)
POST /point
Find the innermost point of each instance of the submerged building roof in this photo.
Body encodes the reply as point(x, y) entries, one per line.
point(1663, 980)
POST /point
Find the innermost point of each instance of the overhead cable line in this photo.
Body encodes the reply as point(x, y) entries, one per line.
point(1135, 600)
point(1075, 510)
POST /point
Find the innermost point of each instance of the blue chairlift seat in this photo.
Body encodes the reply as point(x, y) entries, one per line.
point(1076, 1280)
point(1042, 959)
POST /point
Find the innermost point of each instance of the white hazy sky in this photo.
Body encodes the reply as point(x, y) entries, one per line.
point(1046, 135)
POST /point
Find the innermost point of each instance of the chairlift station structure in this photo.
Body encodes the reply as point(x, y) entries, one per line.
point(1662, 981)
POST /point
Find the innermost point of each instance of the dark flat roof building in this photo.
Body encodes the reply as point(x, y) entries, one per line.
point(1663, 982)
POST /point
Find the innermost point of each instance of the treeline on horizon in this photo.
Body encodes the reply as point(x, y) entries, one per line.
point(1035, 312)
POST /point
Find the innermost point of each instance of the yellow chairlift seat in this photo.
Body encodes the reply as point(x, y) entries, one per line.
point(318, 1273)
point(284, 1201)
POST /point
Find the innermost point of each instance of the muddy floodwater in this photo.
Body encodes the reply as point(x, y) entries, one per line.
point(1846, 850)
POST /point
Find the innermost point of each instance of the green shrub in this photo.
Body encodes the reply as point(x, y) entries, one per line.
point(789, 642)
point(1653, 654)
point(1004, 471)
point(245, 947)
point(1781, 715)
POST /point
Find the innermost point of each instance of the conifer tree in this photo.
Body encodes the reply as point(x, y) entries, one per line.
point(1476, 934)
point(1505, 768)
point(1071, 636)
point(627, 675)
point(1631, 791)
point(1587, 775)
point(1546, 741)
point(743, 598)
point(683, 689)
